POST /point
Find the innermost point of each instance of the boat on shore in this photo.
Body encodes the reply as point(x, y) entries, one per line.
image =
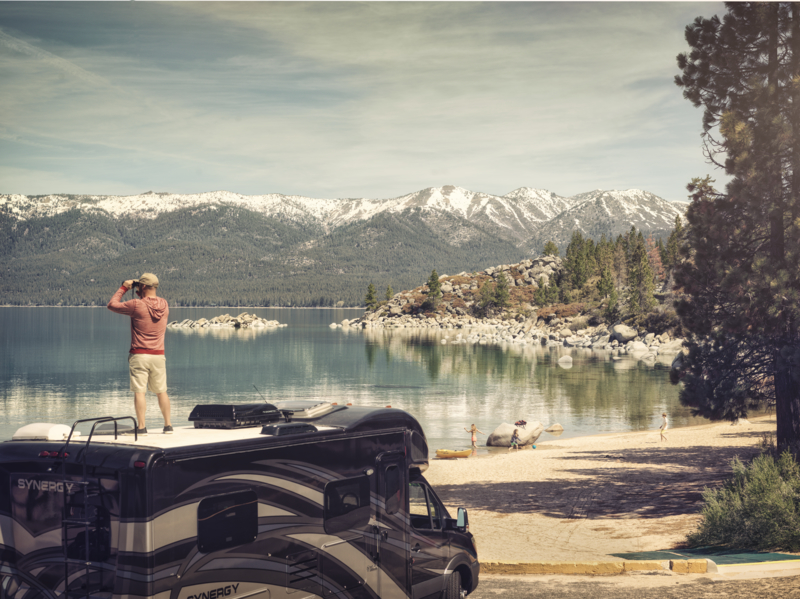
point(453, 453)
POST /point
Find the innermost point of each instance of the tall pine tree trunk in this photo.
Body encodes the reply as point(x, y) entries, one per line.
point(787, 383)
point(794, 87)
point(787, 403)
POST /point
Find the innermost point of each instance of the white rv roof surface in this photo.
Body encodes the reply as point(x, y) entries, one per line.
point(184, 436)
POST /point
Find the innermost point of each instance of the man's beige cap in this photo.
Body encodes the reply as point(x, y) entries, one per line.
point(148, 279)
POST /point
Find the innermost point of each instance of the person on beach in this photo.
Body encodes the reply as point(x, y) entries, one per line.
point(663, 427)
point(514, 440)
point(474, 430)
point(146, 360)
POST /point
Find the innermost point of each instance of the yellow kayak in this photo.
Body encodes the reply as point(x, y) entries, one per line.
point(453, 453)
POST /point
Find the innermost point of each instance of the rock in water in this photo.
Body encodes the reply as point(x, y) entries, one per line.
point(555, 428)
point(501, 436)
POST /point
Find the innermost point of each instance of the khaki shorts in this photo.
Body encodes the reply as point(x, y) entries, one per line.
point(148, 372)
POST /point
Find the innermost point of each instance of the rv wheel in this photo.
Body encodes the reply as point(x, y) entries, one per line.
point(454, 590)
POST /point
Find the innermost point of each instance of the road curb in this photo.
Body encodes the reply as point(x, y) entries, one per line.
point(679, 566)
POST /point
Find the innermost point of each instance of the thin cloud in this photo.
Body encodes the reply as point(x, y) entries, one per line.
point(349, 99)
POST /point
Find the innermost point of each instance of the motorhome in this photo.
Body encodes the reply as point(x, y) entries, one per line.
point(295, 500)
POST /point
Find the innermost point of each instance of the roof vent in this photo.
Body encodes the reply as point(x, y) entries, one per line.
point(288, 428)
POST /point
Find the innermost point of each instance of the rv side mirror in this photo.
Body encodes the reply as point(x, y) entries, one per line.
point(462, 521)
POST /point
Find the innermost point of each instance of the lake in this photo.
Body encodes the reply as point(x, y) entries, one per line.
point(62, 364)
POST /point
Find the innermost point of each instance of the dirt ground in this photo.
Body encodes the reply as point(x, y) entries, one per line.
point(582, 499)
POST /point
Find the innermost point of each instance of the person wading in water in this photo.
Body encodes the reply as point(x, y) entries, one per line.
point(146, 360)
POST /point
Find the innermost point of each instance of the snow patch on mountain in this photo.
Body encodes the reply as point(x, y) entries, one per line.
point(521, 214)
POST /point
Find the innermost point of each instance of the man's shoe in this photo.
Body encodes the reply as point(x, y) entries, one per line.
point(141, 431)
point(167, 430)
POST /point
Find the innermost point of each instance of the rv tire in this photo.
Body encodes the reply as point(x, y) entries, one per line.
point(454, 590)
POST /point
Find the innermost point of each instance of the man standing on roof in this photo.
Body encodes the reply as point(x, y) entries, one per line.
point(146, 361)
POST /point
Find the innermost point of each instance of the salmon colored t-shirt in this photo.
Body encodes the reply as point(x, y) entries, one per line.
point(149, 318)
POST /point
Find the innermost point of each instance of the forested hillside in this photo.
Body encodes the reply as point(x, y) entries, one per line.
point(223, 255)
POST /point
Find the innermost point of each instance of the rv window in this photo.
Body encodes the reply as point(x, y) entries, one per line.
point(392, 493)
point(346, 504)
point(227, 521)
point(425, 511)
point(418, 506)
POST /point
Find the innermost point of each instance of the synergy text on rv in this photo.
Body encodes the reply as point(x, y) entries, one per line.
point(216, 593)
point(44, 485)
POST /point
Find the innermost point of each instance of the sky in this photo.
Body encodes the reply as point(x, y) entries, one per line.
point(346, 100)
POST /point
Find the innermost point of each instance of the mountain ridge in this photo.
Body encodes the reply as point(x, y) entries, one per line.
point(290, 250)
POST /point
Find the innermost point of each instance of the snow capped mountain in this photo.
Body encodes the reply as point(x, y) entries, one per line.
point(611, 213)
point(520, 215)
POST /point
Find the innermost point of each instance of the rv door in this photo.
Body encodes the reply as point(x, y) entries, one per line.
point(391, 534)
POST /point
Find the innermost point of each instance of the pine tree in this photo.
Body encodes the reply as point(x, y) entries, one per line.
point(501, 294)
point(741, 272)
point(611, 312)
point(576, 265)
point(487, 296)
point(550, 249)
point(640, 278)
point(654, 256)
point(606, 284)
point(673, 242)
point(553, 292)
point(540, 295)
point(434, 290)
point(620, 258)
point(370, 300)
point(389, 293)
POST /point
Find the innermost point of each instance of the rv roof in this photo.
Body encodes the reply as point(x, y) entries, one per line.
point(352, 419)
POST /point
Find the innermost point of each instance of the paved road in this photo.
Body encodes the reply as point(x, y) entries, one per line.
point(660, 586)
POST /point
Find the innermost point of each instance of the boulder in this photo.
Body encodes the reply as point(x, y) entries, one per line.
point(637, 346)
point(623, 333)
point(565, 362)
point(554, 428)
point(501, 436)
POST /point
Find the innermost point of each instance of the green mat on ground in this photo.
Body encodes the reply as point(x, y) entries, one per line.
point(719, 555)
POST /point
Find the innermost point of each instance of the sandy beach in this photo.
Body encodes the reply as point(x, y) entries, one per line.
point(582, 499)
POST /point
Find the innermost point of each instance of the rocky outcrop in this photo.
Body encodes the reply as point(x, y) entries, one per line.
point(524, 325)
point(243, 321)
point(501, 436)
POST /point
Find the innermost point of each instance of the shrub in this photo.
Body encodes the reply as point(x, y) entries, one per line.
point(581, 322)
point(759, 508)
point(660, 321)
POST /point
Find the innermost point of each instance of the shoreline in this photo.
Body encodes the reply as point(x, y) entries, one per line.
point(214, 307)
point(554, 442)
point(585, 498)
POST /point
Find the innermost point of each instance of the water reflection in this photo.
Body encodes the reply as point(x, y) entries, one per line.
point(63, 364)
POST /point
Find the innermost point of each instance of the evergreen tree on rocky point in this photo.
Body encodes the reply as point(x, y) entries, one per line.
point(434, 289)
point(370, 300)
point(550, 249)
point(501, 293)
point(741, 259)
point(389, 293)
point(540, 295)
point(486, 296)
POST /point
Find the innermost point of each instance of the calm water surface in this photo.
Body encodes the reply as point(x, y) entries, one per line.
point(62, 364)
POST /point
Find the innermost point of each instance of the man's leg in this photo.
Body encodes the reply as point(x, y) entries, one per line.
point(140, 404)
point(163, 403)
